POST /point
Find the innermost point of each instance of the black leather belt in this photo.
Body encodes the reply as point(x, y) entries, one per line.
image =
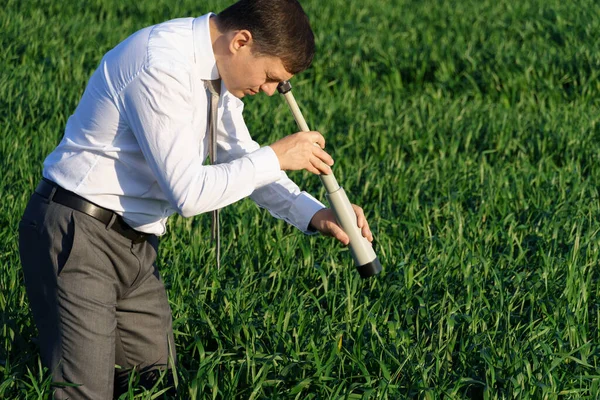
point(51, 191)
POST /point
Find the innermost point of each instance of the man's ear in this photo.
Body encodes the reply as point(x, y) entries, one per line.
point(241, 39)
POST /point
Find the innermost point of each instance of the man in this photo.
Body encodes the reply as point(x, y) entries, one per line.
point(132, 154)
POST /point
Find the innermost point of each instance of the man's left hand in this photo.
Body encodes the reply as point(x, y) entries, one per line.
point(324, 221)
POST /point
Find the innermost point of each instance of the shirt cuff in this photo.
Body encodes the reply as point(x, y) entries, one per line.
point(303, 209)
point(266, 165)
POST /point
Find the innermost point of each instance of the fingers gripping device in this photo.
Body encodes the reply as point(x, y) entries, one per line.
point(365, 259)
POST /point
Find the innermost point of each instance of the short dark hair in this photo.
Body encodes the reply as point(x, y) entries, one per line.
point(279, 28)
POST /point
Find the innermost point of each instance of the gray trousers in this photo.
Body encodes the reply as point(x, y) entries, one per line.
point(97, 301)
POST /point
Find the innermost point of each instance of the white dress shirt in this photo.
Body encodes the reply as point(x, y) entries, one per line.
point(137, 141)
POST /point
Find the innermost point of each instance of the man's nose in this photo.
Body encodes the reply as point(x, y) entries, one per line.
point(269, 88)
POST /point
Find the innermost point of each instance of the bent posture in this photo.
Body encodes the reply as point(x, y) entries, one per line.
point(133, 154)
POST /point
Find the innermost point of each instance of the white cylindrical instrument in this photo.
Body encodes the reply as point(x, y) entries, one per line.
point(364, 256)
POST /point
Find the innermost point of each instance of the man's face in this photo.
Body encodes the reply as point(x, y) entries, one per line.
point(248, 74)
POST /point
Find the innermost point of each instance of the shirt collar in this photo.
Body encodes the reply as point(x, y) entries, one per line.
point(203, 51)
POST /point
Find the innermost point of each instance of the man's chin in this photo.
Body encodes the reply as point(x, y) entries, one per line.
point(243, 93)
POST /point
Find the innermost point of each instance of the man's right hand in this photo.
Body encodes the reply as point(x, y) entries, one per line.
point(303, 150)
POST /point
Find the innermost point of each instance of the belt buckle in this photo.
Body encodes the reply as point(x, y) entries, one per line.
point(127, 231)
point(140, 237)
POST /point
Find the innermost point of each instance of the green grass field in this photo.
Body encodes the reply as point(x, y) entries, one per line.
point(470, 133)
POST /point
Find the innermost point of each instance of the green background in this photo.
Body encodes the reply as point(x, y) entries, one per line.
point(469, 132)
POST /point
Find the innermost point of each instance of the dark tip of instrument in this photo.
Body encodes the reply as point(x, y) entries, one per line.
point(369, 269)
point(284, 87)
